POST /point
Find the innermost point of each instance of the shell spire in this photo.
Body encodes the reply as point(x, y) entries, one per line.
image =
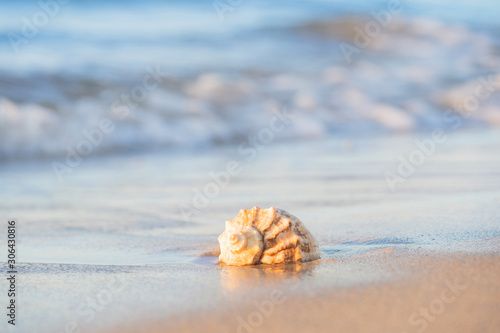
point(266, 236)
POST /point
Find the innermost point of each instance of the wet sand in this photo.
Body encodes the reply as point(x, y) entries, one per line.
point(109, 249)
point(433, 293)
point(115, 151)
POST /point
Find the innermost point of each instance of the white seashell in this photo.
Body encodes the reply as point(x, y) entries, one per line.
point(241, 244)
point(267, 236)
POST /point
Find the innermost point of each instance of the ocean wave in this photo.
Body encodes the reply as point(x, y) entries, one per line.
point(414, 75)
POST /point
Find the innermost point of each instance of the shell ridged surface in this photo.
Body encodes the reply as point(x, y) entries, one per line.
point(266, 236)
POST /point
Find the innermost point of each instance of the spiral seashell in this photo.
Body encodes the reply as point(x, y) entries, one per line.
point(241, 244)
point(266, 236)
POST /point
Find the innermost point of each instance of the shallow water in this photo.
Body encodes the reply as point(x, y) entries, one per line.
point(117, 221)
point(127, 236)
point(220, 81)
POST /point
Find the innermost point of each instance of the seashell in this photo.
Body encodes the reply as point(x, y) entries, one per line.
point(266, 236)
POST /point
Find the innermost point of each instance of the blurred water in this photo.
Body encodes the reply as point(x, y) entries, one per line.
point(119, 218)
point(227, 77)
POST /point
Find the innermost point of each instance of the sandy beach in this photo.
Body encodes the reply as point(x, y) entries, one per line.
point(131, 131)
point(431, 293)
point(120, 257)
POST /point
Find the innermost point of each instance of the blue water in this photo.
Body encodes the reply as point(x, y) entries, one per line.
point(62, 68)
point(124, 34)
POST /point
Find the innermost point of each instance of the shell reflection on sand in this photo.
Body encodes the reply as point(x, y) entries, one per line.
point(235, 278)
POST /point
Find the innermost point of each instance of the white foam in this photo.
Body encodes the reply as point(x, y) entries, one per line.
point(406, 79)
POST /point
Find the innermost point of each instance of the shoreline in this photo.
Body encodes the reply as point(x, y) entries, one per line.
point(119, 221)
point(454, 293)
